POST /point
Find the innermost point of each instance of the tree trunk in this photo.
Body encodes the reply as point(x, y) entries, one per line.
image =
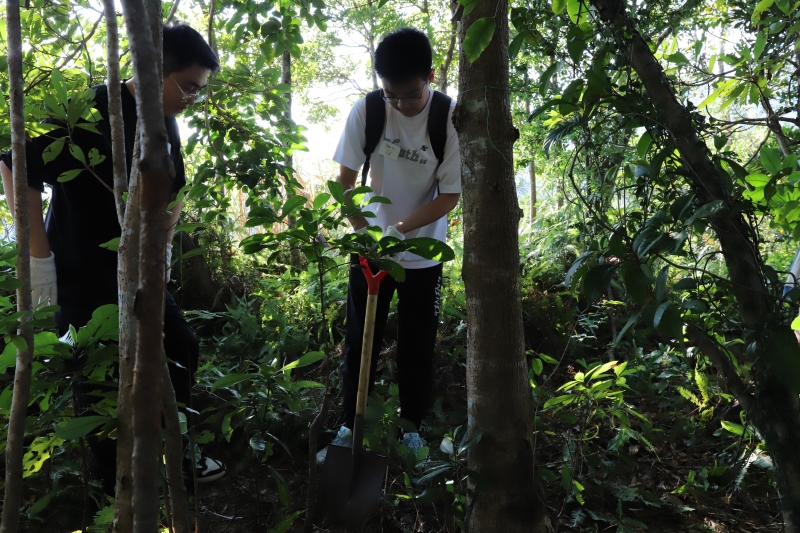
point(295, 257)
point(115, 109)
point(498, 393)
point(774, 409)
point(174, 456)
point(154, 183)
point(15, 446)
point(441, 78)
point(532, 176)
point(127, 282)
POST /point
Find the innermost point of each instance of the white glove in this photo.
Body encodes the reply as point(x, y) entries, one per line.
point(392, 231)
point(43, 280)
point(169, 261)
point(362, 230)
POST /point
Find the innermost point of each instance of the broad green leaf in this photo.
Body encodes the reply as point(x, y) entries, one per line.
point(292, 203)
point(53, 150)
point(336, 190)
point(60, 87)
point(79, 427)
point(795, 326)
point(231, 380)
point(736, 429)
point(771, 159)
point(559, 5)
point(574, 8)
point(69, 175)
point(515, 45)
point(77, 153)
point(678, 58)
point(659, 314)
point(644, 144)
point(628, 325)
point(104, 326)
point(429, 248)
point(706, 210)
point(478, 37)
point(761, 7)
point(305, 360)
point(11, 284)
point(544, 81)
point(321, 199)
point(595, 282)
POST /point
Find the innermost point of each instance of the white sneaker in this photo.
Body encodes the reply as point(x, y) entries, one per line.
point(209, 470)
point(343, 438)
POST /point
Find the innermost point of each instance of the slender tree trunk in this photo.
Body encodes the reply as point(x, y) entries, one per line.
point(115, 110)
point(154, 183)
point(773, 409)
point(174, 457)
point(295, 257)
point(15, 446)
point(128, 281)
point(371, 41)
point(441, 76)
point(498, 393)
point(532, 177)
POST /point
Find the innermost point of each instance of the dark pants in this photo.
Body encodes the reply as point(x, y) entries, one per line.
point(180, 346)
point(418, 319)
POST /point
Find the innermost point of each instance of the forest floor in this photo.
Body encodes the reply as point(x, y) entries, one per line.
point(634, 490)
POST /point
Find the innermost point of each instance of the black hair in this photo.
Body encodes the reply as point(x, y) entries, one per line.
point(184, 47)
point(403, 55)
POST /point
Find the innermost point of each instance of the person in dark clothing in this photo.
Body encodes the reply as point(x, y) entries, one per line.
point(69, 267)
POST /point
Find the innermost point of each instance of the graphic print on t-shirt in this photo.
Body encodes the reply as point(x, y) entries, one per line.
point(415, 156)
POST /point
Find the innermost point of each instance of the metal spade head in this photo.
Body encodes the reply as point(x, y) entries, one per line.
point(350, 485)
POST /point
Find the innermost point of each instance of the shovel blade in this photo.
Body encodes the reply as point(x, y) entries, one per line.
point(350, 493)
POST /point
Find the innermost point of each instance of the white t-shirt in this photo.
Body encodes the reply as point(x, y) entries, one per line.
point(411, 180)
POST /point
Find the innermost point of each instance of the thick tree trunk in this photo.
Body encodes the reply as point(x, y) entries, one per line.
point(444, 70)
point(499, 396)
point(774, 409)
point(154, 183)
point(15, 446)
point(295, 257)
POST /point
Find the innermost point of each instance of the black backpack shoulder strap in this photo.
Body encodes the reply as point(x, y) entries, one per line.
point(376, 121)
point(437, 123)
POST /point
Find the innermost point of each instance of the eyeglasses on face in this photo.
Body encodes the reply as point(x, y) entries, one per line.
point(407, 99)
point(190, 98)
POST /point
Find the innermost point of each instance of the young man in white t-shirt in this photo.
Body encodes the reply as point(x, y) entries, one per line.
point(423, 190)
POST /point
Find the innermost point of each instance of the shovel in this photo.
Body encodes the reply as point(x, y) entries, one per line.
point(352, 478)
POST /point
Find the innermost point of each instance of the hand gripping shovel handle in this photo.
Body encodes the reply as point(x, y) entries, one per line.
point(373, 286)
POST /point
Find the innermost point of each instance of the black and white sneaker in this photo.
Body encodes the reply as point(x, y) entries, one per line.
point(209, 470)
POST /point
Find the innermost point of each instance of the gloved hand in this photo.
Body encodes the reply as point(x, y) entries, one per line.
point(169, 261)
point(43, 280)
point(361, 231)
point(392, 231)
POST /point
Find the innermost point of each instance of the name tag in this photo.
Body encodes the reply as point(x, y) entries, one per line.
point(389, 150)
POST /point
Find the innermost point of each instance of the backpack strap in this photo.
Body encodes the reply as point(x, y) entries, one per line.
point(437, 123)
point(376, 122)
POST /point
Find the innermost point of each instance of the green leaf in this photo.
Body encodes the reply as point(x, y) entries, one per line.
point(736, 429)
point(678, 58)
point(104, 326)
point(761, 7)
point(636, 283)
point(69, 175)
point(574, 10)
point(77, 153)
point(337, 191)
point(60, 87)
point(576, 45)
point(469, 5)
point(11, 284)
point(307, 359)
point(544, 80)
point(112, 245)
point(659, 314)
point(321, 199)
point(720, 141)
point(795, 325)
point(631, 321)
point(595, 282)
point(95, 157)
point(537, 366)
point(231, 380)
point(559, 5)
point(430, 248)
point(706, 210)
point(771, 159)
point(292, 203)
point(80, 427)
point(478, 37)
point(53, 150)
point(761, 43)
point(644, 144)
point(515, 45)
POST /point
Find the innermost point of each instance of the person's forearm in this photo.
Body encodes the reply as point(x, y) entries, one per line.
point(172, 221)
point(431, 212)
point(347, 179)
point(40, 247)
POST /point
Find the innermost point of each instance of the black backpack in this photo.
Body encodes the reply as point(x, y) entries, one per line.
point(376, 123)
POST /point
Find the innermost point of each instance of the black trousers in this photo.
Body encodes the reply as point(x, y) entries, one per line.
point(180, 345)
point(418, 318)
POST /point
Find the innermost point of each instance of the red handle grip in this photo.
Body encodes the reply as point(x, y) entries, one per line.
point(373, 280)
